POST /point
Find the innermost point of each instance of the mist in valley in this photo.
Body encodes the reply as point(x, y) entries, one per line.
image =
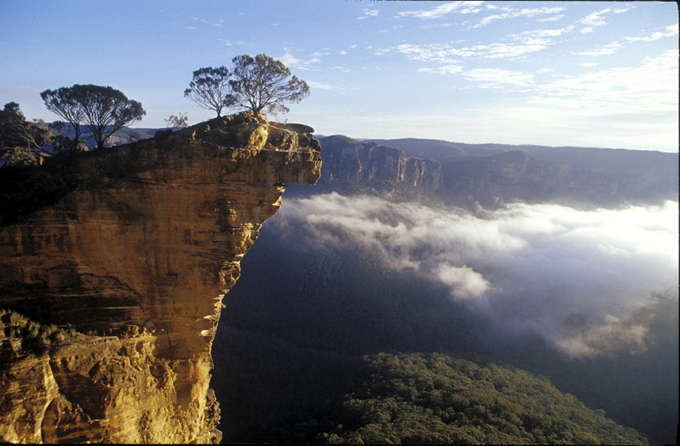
point(588, 282)
point(586, 297)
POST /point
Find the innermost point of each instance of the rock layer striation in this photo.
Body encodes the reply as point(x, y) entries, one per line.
point(113, 265)
point(349, 159)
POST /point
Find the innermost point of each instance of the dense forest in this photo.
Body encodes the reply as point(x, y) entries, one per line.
point(433, 399)
point(288, 394)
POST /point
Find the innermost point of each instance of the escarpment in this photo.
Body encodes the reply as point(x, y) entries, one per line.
point(113, 265)
point(348, 159)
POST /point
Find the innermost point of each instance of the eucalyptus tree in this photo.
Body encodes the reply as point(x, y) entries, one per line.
point(259, 84)
point(102, 110)
point(62, 103)
point(263, 84)
point(21, 141)
point(210, 88)
point(178, 122)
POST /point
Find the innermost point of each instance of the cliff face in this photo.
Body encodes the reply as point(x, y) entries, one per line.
point(113, 266)
point(595, 177)
point(494, 179)
point(348, 159)
point(493, 174)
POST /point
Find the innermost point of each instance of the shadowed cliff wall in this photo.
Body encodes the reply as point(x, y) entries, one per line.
point(348, 159)
point(126, 254)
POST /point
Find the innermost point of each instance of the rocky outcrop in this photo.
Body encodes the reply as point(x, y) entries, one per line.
point(348, 159)
point(113, 265)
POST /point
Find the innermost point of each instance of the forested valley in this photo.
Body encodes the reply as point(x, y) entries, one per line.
point(323, 345)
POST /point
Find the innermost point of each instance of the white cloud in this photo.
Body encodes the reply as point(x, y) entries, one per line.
point(438, 25)
point(551, 19)
point(445, 69)
point(669, 31)
point(510, 13)
point(499, 76)
point(320, 85)
point(574, 123)
point(650, 88)
point(466, 282)
point(620, 10)
point(583, 281)
point(294, 62)
point(459, 7)
point(233, 42)
point(615, 334)
point(496, 50)
point(595, 18)
point(434, 52)
point(368, 13)
point(542, 33)
point(603, 51)
point(218, 24)
point(446, 53)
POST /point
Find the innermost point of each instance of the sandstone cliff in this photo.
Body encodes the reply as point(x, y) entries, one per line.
point(113, 265)
point(349, 159)
point(579, 177)
point(493, 174)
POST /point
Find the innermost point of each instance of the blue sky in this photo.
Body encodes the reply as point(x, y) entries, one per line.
point(598, 74)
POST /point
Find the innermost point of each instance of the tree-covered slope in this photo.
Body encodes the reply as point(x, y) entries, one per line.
point(421, 398)
point(272, 391)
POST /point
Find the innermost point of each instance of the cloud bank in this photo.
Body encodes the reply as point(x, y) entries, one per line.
point(588, 282)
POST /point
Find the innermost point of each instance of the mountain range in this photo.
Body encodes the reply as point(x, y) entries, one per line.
point(490, 175)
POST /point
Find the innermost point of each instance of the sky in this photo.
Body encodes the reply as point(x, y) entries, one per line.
point(595, 74)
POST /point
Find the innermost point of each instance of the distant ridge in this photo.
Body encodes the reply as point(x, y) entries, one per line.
point(492, 175)
point(443, 151)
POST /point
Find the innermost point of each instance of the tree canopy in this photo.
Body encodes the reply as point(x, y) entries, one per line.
point(210, 88)
point(264, 84)
point(21, 141)
point(260, 84)
point(103, 110)
point(62, 102)
point(177, 122)
point(421, 398)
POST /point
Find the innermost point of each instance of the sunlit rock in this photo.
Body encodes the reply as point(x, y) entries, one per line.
point(126, 254)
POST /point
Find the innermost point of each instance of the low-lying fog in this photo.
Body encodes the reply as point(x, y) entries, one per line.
point(588, 282)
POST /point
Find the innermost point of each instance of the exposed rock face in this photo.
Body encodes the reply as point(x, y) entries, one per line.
point(493, 174)
point(348, 159)
point(129, 251)
point(589, 177)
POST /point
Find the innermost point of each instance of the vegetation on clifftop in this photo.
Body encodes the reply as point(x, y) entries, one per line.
point(260, 84)
point(101, 110)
